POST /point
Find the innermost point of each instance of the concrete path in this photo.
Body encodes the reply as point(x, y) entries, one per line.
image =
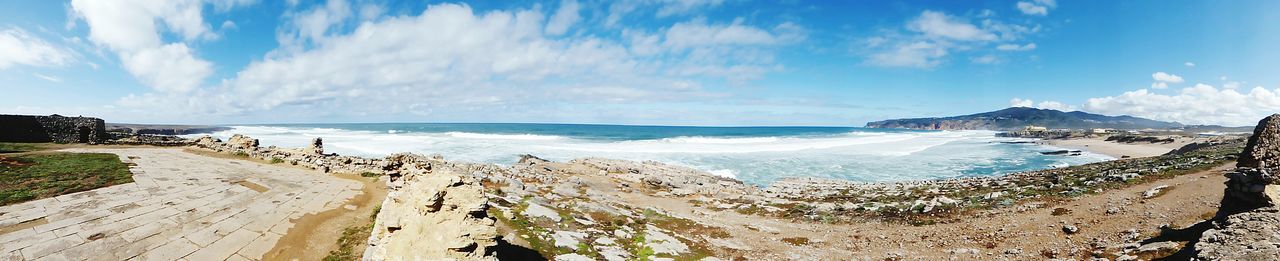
point(180, 206)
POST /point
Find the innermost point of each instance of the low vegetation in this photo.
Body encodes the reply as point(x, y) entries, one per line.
point(352, 237)
point(32, 176)
point(9, 147)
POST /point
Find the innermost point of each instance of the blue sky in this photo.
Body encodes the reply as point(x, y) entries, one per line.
point(670, 62)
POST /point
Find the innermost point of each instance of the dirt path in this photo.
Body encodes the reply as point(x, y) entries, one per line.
point(313, 236)
point(1033, 232)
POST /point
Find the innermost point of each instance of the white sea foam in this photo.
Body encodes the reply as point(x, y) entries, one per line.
point(728, 173)
point(470, 135)
point(860, 156)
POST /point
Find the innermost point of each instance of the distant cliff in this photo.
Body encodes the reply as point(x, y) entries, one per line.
point(1018, 117)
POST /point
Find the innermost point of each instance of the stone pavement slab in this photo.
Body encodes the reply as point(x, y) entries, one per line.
point(181, 206)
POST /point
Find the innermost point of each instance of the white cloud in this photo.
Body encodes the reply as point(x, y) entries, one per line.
point(132, 29)
point(1050, 105)
point(1189, 64)
point(985, 59)
point(940, 25)
point(687, 35)
point(1053, 105)
point(1019, 102)
point(450, 60)
point(1199, 104)
point(1166, 77)
point(930, 37)
point(1162, 80)
point(665, 8)
point(170, 68)
point(227, 25)
point(1036, 7)
point(132, 25)
point(313, 25)
point(565, 16)
point(674, 7)
point(227, 5)
point(920, 54)
point(47, 78)
point(1015, 47)
point(21, 48)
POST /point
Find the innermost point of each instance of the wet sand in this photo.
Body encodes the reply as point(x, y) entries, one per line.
point(1120, 150)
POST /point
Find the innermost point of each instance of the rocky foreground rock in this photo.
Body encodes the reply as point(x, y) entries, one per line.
point(1247, 226)
point(431, 212)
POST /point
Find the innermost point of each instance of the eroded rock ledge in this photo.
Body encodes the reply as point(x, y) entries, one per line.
point(432, 211)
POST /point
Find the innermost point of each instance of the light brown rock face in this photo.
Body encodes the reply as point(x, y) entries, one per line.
point(242, 142)
point(431, 213)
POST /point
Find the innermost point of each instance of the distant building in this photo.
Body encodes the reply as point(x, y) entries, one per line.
point(1032, 128)
point(1101, 131)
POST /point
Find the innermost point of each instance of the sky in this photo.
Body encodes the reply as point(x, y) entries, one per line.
point(651, 62)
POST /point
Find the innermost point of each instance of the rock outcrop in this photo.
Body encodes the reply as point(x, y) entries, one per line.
point(432, 210)
point(1245, 236)
point(1247, 226)
point(431, 213)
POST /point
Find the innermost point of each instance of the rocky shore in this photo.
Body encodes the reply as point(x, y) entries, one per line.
point(607, 209)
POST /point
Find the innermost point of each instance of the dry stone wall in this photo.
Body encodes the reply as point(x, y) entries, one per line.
point(53, 128)
point(1248, 223)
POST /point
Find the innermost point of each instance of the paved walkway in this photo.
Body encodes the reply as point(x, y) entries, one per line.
point(180, 206)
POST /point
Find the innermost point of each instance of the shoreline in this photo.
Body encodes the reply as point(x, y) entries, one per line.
point(1119, 150)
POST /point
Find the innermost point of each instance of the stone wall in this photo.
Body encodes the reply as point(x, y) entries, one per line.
point(1248, 221)
point(53, 128)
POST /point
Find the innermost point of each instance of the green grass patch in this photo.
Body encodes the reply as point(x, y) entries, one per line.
point(369, 174)
point(276, 161)
point(11, 147)
point(37, 176)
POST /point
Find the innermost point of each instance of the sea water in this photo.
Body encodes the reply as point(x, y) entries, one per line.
point(755, 155)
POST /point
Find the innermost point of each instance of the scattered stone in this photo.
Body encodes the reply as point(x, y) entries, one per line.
point(573, 257)
point(1150, 193)
point(1159, 246)
point(567, 239)
point(662, 243)
point(536, 210)
point(1070, 229)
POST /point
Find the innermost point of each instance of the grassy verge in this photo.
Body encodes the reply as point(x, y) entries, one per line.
point(352, 237)
point(44, 175)
point(9, 147)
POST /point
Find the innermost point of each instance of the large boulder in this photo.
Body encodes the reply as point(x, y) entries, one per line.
point(243, 142)
point(431, 214)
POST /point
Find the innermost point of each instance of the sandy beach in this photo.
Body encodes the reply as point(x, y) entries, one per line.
point(1120, 150)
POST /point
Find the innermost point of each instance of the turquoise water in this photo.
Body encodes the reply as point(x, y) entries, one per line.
point(756, 155)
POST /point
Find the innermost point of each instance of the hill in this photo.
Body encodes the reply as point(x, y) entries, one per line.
point(1018, 117)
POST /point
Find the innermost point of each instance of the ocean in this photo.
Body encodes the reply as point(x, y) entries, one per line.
point(755, 155)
